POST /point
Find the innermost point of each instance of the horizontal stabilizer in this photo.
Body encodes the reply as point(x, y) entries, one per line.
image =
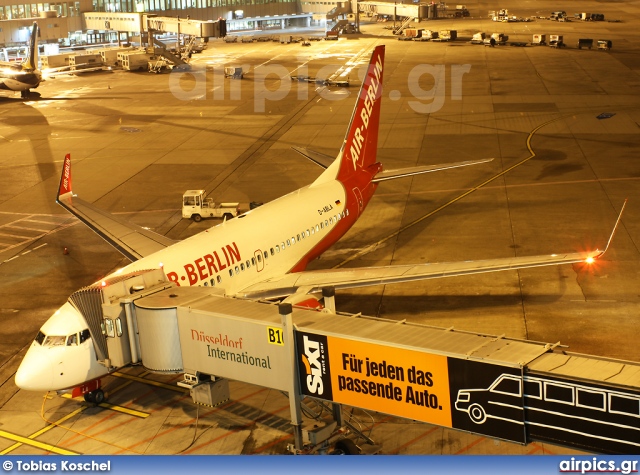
point(316, 157)
point(403, 172)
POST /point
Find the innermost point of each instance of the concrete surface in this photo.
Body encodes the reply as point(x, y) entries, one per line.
point(139, 140)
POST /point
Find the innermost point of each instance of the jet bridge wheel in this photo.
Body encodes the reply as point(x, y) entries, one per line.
point(345, 447)
point(96, 396)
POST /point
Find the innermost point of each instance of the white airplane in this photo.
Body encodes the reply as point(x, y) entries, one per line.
point(23, 76)
point(260, 254)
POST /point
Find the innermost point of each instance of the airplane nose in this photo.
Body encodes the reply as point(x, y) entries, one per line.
point(35, 372)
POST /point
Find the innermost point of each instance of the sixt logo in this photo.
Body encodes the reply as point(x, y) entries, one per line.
point(314, 371)
point(312, 365)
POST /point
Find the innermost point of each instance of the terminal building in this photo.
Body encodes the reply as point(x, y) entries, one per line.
point(65, 22)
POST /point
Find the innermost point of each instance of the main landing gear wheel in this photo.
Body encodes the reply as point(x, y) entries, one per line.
point(96, 396)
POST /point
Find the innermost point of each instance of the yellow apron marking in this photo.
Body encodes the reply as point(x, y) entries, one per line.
point(36, 444)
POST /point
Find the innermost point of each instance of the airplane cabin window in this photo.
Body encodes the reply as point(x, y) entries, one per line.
point(212, 282)
point(259, 256)
point(253, 260)
point(298, 237)
point(277, 248)
point(321, 225)
point(317, 228)
point(40, 337)
point(326, 223)
point(219, 279)
point(241, 267)
point(230, 272)
point(282, 246)
point(308, 233)
point(347, 211)
point(206, 284)
point(272, 253)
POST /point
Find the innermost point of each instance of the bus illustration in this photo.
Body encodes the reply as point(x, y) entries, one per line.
point(603, 418)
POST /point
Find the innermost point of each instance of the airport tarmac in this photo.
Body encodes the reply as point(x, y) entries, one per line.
point(560, 174)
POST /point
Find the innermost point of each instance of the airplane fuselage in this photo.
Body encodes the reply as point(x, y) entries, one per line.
point(280, 237)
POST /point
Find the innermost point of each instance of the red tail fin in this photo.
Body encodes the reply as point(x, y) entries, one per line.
point(360, 146)
point(65, 177)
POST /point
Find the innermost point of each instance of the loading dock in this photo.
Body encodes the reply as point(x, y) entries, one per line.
point(509, 389)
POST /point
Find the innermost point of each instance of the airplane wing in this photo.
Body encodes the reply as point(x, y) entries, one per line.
point(313, 281)
point(133, 241)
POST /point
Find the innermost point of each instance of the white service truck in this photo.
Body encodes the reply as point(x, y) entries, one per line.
point(196, 206)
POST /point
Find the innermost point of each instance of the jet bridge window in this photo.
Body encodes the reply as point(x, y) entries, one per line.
point(108, 328)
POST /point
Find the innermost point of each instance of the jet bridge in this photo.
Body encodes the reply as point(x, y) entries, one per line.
point(516, 390)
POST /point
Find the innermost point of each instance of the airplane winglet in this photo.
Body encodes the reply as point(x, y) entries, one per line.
point(65, 179)
point(615, 228)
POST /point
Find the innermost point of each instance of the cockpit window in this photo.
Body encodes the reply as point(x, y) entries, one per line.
point(84, 335)
point(55, 340)
point(72, 340)
point(40, 338)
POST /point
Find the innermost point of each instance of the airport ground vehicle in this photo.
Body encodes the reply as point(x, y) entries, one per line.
point(195, 205)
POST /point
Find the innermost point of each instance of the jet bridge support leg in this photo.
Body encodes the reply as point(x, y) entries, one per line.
point(295, 400)
point(329, 298)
